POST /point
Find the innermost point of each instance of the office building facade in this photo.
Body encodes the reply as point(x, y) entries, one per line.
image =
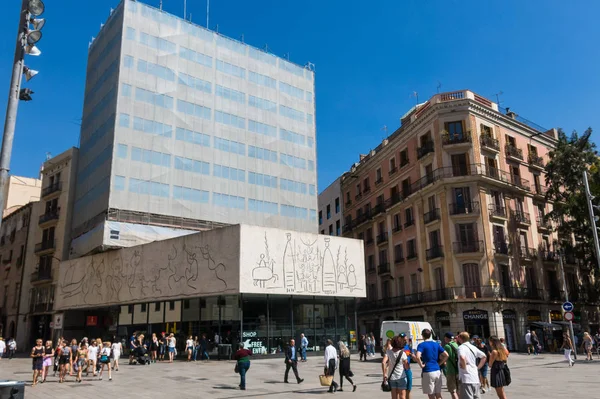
point(331, 210)
point(184, 128)
point(451, 210)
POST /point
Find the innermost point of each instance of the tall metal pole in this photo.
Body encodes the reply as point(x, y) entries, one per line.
point(12, 106)
point(562, 271)
point(207, 12)
point(589, 197)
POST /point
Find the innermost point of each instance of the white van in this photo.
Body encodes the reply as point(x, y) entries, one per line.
point(412, 329)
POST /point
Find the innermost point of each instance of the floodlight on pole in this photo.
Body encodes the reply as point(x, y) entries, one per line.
point(25, 94)
point(30, 49)
point(35, 7)
point(29, 73)
point(33, 36)
point(38, 23)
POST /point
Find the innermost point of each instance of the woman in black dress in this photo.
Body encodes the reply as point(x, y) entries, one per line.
point(37, 354)
point(345, 366)
point(362, 348)
point(498, 359)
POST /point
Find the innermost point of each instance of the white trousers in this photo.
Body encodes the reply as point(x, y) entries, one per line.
point(568, 356)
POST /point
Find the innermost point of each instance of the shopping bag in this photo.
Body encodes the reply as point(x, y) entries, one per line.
point(326, 380)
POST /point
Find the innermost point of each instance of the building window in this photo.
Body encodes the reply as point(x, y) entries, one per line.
point(403, 158)
point(366, 185)
point(144, 308)
point(371, 262)
point(408, 216)
point(486, 130)
point(157, 306)
point(186, 303)
point(411, 249)
point(338, 229)
point(330, 229)
point(397, 222)
point(171, 305)
point(320, 217)
point(337, 205)
point(328, 212)
point(398, 253)
point(392, 165)
point(455, 129)
point(130, 309)
point(358, 190)
point(378, 176)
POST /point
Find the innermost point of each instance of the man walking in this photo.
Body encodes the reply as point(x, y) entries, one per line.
point(2, 347)
point(331, 358)
point(430, 355)
point(528, 342)
point(468, 368)
point(303, 345)
point(451, 349)
point(291, 362)
point(12, 348)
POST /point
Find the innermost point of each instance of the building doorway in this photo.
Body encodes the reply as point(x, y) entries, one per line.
point(509, 318)
point(477, 322)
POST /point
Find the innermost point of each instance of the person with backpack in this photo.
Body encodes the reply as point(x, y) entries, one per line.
point(451, 349)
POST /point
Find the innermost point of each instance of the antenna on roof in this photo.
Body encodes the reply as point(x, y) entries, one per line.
point(266, 48)
point(160, 5)
point(184, 10)
point(415, 95)
point(48, 156)
point(207, 12)
point(242, 38)
point(217, 28)
point(498, 97)
point(287, 56)
point(384, 128)
point(439, 86)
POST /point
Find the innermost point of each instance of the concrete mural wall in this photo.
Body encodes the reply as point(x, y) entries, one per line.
point(275, 261)
point(200, 264)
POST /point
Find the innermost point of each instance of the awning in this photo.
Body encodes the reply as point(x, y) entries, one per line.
point(543, 324)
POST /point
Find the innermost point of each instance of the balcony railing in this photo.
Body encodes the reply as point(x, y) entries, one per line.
point(488, 141)
point(366, 189)
point(397, 228)
point(514, 152)
point(51, 189)
point(399, 259)
point(431, 216)
point(501, 248)
point(348, 203)
point(358, 196)
point(535, 160)
point(527, 253)
point(540, 190)
point(467, 247)
point(409, 223)
point(393, 200)
point(520, 182)
point(511, 292)
point(425, 149)
point(464, 208)
point(449, 139)
point(548, 256)
point(369, 240)
point(497, 211)
point(434, 252)
point(379, 181)
point(521, 217)
point(382, 238)
point(555, 295)
point(6, 261)
point(411, 256)
point(371, 269)
point(542, 223)
point(404, 162)
point(41, 275)
point(48, 216)
point(383, 268)
point(45, 246)
point(377, 209)
point(392, 171)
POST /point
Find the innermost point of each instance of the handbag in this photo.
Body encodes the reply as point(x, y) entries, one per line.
point(350, 374)
point(385, 386)
point(325, 380)
point(506, 372)
point(236, 369)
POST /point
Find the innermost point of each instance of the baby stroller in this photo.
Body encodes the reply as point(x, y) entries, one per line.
point(141, 355)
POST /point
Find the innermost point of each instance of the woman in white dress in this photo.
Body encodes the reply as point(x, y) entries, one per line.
point(116, 352)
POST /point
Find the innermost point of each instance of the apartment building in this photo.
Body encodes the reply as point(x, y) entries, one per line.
point(184, 129)
point(451, 210)
point(14, 252)
point(331, 210)
point(20, 191)
point(50, 237)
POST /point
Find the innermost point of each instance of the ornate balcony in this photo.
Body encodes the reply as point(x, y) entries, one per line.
point(434, 252)
point(489, 143)
point(427, 148)
point(521, 217)
point(449, 139)
point(468, 247)
point(513, 152)
point(431, 216)
point(464, 208)
point(536, 161)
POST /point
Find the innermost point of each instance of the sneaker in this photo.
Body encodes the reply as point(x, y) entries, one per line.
point(340, 389)
point(300, 380)
point(354, 388)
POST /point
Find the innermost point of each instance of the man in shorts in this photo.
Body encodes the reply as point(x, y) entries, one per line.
point(451, 349)
point(430, 355)
point(468, 367)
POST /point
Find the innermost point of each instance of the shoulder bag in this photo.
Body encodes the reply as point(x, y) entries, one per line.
point(506, 372)
point(385, 386)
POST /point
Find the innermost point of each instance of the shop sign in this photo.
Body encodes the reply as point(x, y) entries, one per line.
point(91, 321)
point(475, 314)
point(534, 315)
point(442, 316)
point(352, 336)
point(253, 342)
point(57, 319)
point(556, 315)
point(509, 315)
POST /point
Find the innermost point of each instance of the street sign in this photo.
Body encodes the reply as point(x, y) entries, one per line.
point(569, 316)
point(568, 307)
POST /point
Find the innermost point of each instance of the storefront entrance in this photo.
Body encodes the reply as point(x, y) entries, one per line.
point(509, 318)
point(442, 323)
point(477, 322)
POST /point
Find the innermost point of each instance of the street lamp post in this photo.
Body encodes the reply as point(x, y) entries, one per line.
point(24, 36)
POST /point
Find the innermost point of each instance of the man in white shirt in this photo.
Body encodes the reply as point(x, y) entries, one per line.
point(468, 369)
point(528, 342)
point(2, 347)
point(331, 358)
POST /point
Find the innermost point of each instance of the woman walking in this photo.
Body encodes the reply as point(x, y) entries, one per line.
point(92, 357)
point(105, 360)
point(362, 348)
point(331, 359)
point(73, 365)
point(189, 347)
point(48, 359)
point(57, 351)
point(117, 348)
point(81, 359)
point(345, 366)
point(171, 342)
point(587, 346)
point(196, 347)
point(394, 366)
point(64, 360)
point(568, 347)
point(242, 356)
point(498, 360)
point(37, 354)
point(154, 348)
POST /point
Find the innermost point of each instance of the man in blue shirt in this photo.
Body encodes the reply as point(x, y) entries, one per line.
point(291, 362)
point(430, 355)
point(303, 345)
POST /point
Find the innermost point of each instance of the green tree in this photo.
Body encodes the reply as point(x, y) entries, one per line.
point(572, 156)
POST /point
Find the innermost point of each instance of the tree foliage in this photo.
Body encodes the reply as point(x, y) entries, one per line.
point(572, 156)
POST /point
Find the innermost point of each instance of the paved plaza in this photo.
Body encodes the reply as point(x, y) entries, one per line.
point(544, 376)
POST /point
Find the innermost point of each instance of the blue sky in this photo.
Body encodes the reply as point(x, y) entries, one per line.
point(369, 57)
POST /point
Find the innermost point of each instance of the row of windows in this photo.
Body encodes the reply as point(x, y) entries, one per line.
point(230, 94)
point(190, 194)
point(95, 163)
point(230, 119)
point(292, 161)
point(229, 146)
point(159, 16)
point(146, 125)
point(293, 186)
point(291, 113)
point(149, 97)
point(151, 157)
point(157, 43)
point(262, 128)
point(148, 187)
point(291, 90)
point(227, 172)
point(261, 103)
point(101, 82)
point(195, 83)
point(99, 108)
point(196, 57)
point(262, 153)
point(159, 71)
point(263, 206)
point(229, 201)
point(192, 137)
point(231, 69)
point(193, 109)
point(262, 80)
point(262, 180)
point(97, 134)
point(192, 165)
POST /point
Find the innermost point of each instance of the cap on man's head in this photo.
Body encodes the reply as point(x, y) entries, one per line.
point(475, 337)
point(449, 335)
point(402, 335)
